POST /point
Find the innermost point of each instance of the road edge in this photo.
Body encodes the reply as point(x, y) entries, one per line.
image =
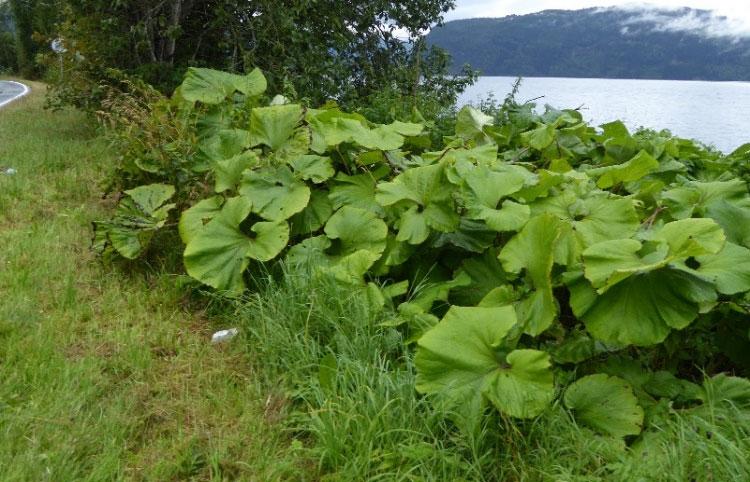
point(26, 90)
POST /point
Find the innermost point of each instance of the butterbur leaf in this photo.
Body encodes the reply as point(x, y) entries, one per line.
point(511, 216)
point(313, 168)
point(609, 262)
point(314, 216)
point(419, 185)
point(332, 127)
point(357, 191)
point(524, 387)
point(606, 404)
point(151, 198)
point(194, 219)
point(729, 269)
point(532, 251)
point(275, 193)
point(691, 237)
point(470, 123)
point(213, 86)
point(228, 173)
point(357, 229)
point(643, 308)
point(639, 166)
point(273, 126)
point(485, 273)
point(224, 144)
point(412, 227)
point(311, 251)
point(539, 138)
point(595, 218)
point(138, 216)
point(220, 252)
point(462, 362)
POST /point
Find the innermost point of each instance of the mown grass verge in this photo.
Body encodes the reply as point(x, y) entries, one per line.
point(107, 372)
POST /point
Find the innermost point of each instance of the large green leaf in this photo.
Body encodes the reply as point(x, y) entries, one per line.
point(729, 269)
point(213, 87)
point(275, 125)
point(426, 193)
point(138, 216)
point(314, 216)
point(357, 191)
point(313, 168)
point(275, 193)
point(639, 166)
point(228, 172)
point(462, 360)
point(539, 138)
point(332, 127)
point(218, 254)
point(726, 202)
point(357, 229)
point(610, 262)
point(532, 251)
point(483, 188)
point(643, 308)
point(194, 219)
point(470, 123)
point(691, 237)
point(606, 404)
point(594, 217)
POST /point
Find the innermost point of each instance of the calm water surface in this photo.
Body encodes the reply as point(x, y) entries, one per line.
point(716, 113)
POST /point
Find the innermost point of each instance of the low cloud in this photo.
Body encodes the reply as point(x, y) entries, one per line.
point(700, 22)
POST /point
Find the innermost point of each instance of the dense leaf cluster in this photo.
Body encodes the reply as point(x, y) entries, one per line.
point(529, 250)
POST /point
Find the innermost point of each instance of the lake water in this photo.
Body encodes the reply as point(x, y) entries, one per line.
point(716, 113)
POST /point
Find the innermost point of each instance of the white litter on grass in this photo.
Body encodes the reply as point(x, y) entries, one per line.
point(224, 335)
point(10, 171)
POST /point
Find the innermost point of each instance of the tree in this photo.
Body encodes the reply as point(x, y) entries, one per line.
point(314, 49)
point(34, 22)
point(8, 55)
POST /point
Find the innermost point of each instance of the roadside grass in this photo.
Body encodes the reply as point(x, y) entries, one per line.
point(106, 373)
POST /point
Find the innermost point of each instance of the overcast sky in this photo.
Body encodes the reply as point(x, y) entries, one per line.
point(736, 10)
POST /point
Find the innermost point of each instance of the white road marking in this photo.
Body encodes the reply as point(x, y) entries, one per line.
point(24, 90)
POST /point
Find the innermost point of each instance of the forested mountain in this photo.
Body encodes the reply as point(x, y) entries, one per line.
point(610, 43)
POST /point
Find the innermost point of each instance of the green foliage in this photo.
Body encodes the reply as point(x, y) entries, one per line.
point(139, 215)
point(311, 51)
point(528, 249)
point(606, 404)
point(33, 23)
point(8, 53)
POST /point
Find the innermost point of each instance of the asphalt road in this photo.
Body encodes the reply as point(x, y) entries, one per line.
point(10, 91)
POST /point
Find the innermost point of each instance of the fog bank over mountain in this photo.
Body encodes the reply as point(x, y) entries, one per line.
point(611, 42)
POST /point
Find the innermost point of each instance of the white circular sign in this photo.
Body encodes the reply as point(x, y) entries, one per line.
point(58, 47)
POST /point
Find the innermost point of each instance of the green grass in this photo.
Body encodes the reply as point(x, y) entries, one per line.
point(107, 373)
point(359, 418)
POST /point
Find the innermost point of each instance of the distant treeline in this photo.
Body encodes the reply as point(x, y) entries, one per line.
point(607, 43)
